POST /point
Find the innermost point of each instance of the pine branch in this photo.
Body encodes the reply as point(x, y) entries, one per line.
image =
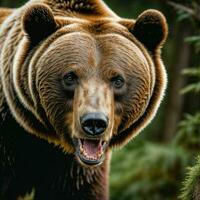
point(194, 12)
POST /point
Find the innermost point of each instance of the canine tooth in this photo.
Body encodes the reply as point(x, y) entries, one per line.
point(85, 154)
point(81, 150)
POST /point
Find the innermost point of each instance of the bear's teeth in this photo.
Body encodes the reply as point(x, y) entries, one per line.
point(87, 149)
point(90, 157)
point(85, 154)
point(81, 150)
point(99, 155)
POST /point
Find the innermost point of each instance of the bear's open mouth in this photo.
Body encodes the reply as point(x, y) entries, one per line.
point(90, 152)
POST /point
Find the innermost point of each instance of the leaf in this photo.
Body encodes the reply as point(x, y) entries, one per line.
point(195, 72)
point(191, 182)
point(182, 16)
point(192, 39)
point(195, 87)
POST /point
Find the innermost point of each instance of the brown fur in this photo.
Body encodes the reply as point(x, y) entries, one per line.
point(4, 13)
point(45, 39)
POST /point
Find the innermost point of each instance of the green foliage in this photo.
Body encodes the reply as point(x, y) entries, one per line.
point(189, 132)
point(182, 16)
point(195, 87)
point(188, 135)
point(189, 128)
point(28, 196)
point(195, 40)
point(11, 3)
point(195, 73)
point(191, 188)
point(149, 172)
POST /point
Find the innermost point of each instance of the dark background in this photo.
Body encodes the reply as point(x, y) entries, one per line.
point(153, 166)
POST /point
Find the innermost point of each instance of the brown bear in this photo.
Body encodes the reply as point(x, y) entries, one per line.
point(82, 80)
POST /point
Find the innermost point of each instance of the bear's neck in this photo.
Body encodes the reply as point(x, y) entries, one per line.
point(30, 163)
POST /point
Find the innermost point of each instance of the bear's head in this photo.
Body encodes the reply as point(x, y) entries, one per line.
point(96, 81)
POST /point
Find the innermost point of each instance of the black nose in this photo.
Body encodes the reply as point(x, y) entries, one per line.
point(94, 123)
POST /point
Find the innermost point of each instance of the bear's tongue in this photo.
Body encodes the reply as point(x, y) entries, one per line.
point(92, 149)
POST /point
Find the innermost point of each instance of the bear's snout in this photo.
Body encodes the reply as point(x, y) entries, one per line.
point(94, 124)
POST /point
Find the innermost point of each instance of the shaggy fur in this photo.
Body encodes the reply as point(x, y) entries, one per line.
point(39, 44)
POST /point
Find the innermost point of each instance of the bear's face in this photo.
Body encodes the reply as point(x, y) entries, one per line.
point(94, 80)
point(90, 85)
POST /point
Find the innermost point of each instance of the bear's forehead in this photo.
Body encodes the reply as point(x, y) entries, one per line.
point(105, 47)
point(82, 51)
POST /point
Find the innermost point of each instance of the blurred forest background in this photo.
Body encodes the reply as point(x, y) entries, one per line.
point(154, 165)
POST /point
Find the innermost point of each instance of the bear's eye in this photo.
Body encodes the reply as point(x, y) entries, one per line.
point(70, 79)
point(118, 82)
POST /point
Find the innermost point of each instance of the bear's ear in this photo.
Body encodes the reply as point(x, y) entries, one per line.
point(38, 22)
point(150, 29)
